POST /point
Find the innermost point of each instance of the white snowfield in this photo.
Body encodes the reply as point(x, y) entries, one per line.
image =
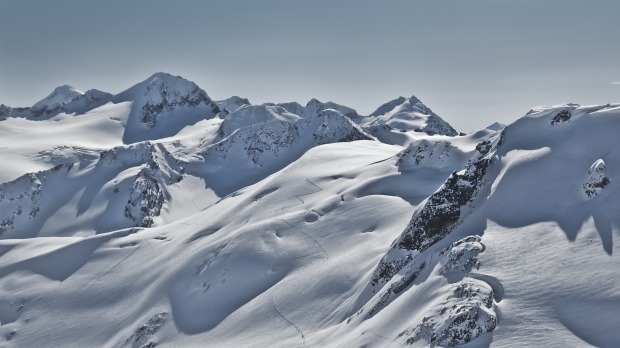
point(158, 217)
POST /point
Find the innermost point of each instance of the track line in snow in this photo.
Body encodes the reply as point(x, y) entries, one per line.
point(301, 201)
point(303, 338)
point(109, 270)
point(307, 235)
point(295, 228)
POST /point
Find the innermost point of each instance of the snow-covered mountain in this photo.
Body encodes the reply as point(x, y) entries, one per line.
point(160, 217)
point(408, 114)
point(64, 99)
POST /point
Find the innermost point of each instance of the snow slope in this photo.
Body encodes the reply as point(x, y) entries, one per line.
point(157, 219)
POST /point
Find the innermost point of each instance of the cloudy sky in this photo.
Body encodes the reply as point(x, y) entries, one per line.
point(472, 61)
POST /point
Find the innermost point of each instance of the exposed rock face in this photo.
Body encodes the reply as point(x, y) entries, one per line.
point(439, 215)
point(597, 179)
point(145, 199)
point(143, 337)
point(158, 170)
point(163, 105)
point(468, 312)
point(562, 116)
point(462, 256)
point(427, 153)
point(464, 315)
point(164, 92)
point(20, 199)
point(5, 111)
point(23, 199)
point(335, 128)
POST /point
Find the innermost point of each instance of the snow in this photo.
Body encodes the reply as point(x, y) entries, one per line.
point(232, 104)
point(409, 115)
point(60, 96)
point(160, 217)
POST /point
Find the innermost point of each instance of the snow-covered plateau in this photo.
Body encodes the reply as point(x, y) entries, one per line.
point(160, 217)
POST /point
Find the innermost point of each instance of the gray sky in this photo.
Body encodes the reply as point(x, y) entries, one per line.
point(472, 61)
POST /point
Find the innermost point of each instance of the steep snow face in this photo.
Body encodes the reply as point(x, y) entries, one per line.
point(253, 114)
point(232, 104)
point(164, 104)
point(408, 115)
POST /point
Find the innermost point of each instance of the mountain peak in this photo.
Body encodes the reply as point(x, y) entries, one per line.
point(410, 114)
point(61, 95)
point(314, 106)
point(162, 105)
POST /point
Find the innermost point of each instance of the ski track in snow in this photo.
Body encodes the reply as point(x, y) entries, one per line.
point(315, 242)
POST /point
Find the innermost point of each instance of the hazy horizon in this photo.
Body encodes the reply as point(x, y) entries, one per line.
point(472, 62)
